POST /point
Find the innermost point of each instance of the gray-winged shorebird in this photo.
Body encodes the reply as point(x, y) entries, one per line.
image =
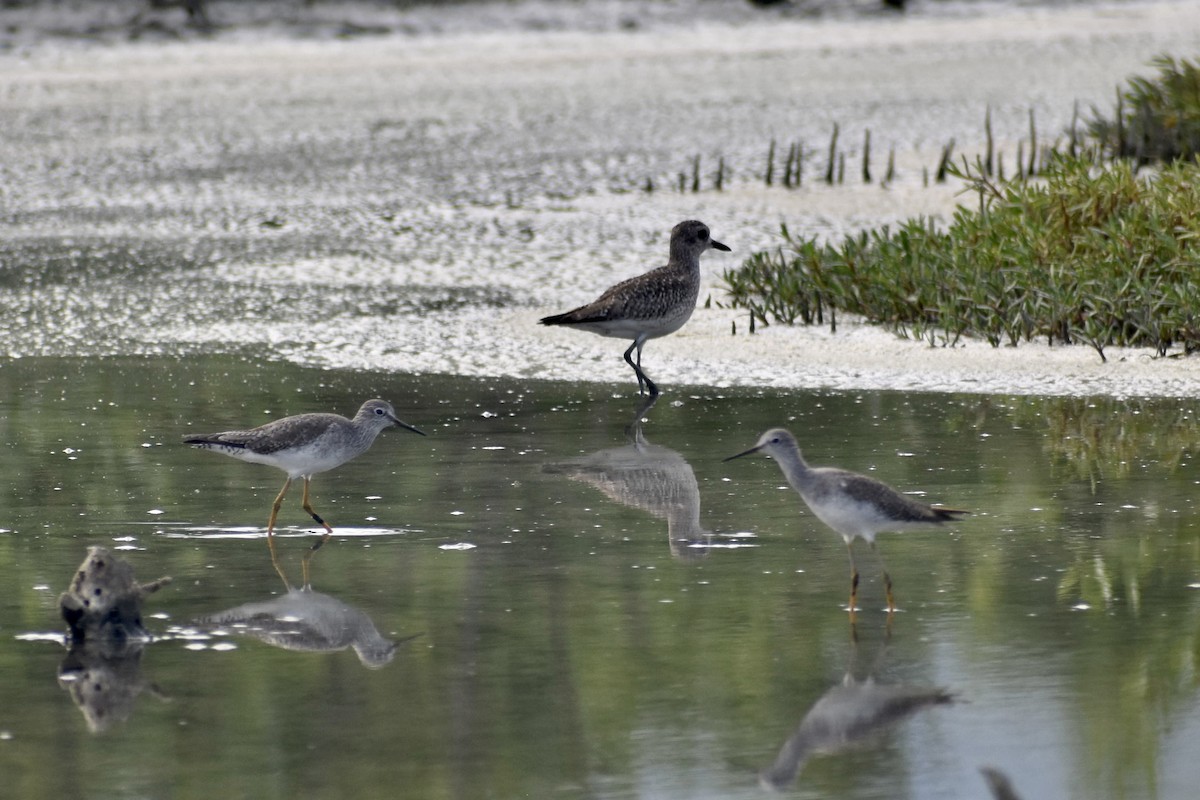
point(302, 446)
point(854, 505)
point(650, 305)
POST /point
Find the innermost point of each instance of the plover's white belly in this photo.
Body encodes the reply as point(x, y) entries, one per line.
point(650, 327)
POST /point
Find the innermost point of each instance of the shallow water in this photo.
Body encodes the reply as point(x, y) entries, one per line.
point(591, 642)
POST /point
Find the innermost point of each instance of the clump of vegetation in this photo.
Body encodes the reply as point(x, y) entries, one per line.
point(1156, 119)
point(1092, 255)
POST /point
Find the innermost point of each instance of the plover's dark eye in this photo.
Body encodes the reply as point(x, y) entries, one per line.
point(379, 411)
point(702, 235)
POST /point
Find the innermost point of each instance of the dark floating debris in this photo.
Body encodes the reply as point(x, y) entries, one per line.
point(104, 601)
point(102, 671)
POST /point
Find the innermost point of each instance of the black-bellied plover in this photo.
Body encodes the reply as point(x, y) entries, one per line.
point(649, 305)
point(302, 446)
point(854, 505)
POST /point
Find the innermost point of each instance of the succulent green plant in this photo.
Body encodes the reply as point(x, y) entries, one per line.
point(1156, 119)
point(1087, 254)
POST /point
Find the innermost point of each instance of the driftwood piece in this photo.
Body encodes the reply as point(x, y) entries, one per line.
point(104, 601)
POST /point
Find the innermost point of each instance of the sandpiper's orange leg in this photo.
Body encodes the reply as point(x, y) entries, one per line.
point(887, 581)
point(271, 531)
point(275, 508)
point(308, 507)
point(328, 532)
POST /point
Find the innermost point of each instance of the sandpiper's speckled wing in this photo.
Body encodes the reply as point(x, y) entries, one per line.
point(891, 504)
point(640, 297)
point(272, 437)
point(647, 295)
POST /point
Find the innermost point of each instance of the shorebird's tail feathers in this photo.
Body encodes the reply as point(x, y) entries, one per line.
point(574, 317)
point(209, 442)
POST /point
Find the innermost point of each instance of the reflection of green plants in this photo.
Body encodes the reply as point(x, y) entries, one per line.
point(1156, 119)
point(1106, 437)
point(1103, 258)
point(1091, 582)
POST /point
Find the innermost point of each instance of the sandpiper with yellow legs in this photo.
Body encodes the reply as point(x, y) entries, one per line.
point(302, 446)
point(854, 505)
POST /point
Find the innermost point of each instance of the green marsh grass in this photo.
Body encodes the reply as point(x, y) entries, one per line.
point(1157, 118)
point(1087, 254)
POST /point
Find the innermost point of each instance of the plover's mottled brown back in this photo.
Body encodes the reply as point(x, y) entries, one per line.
point(854, 505)
point(649, 305)
point(302, 446)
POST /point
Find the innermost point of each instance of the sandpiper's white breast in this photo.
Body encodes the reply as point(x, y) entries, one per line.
point(849, 517)
point(319, 455)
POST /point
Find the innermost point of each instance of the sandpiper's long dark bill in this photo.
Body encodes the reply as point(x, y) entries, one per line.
point(302, 446)
point(854, 505)
point(650, 305)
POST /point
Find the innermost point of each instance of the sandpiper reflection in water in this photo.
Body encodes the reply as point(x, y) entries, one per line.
point(848, 713)
point(650, 478)
point(307, 621)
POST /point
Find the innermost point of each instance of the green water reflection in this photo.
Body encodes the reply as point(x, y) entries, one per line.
point(584, 647)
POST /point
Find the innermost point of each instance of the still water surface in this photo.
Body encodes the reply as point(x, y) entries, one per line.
point(630, 621)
